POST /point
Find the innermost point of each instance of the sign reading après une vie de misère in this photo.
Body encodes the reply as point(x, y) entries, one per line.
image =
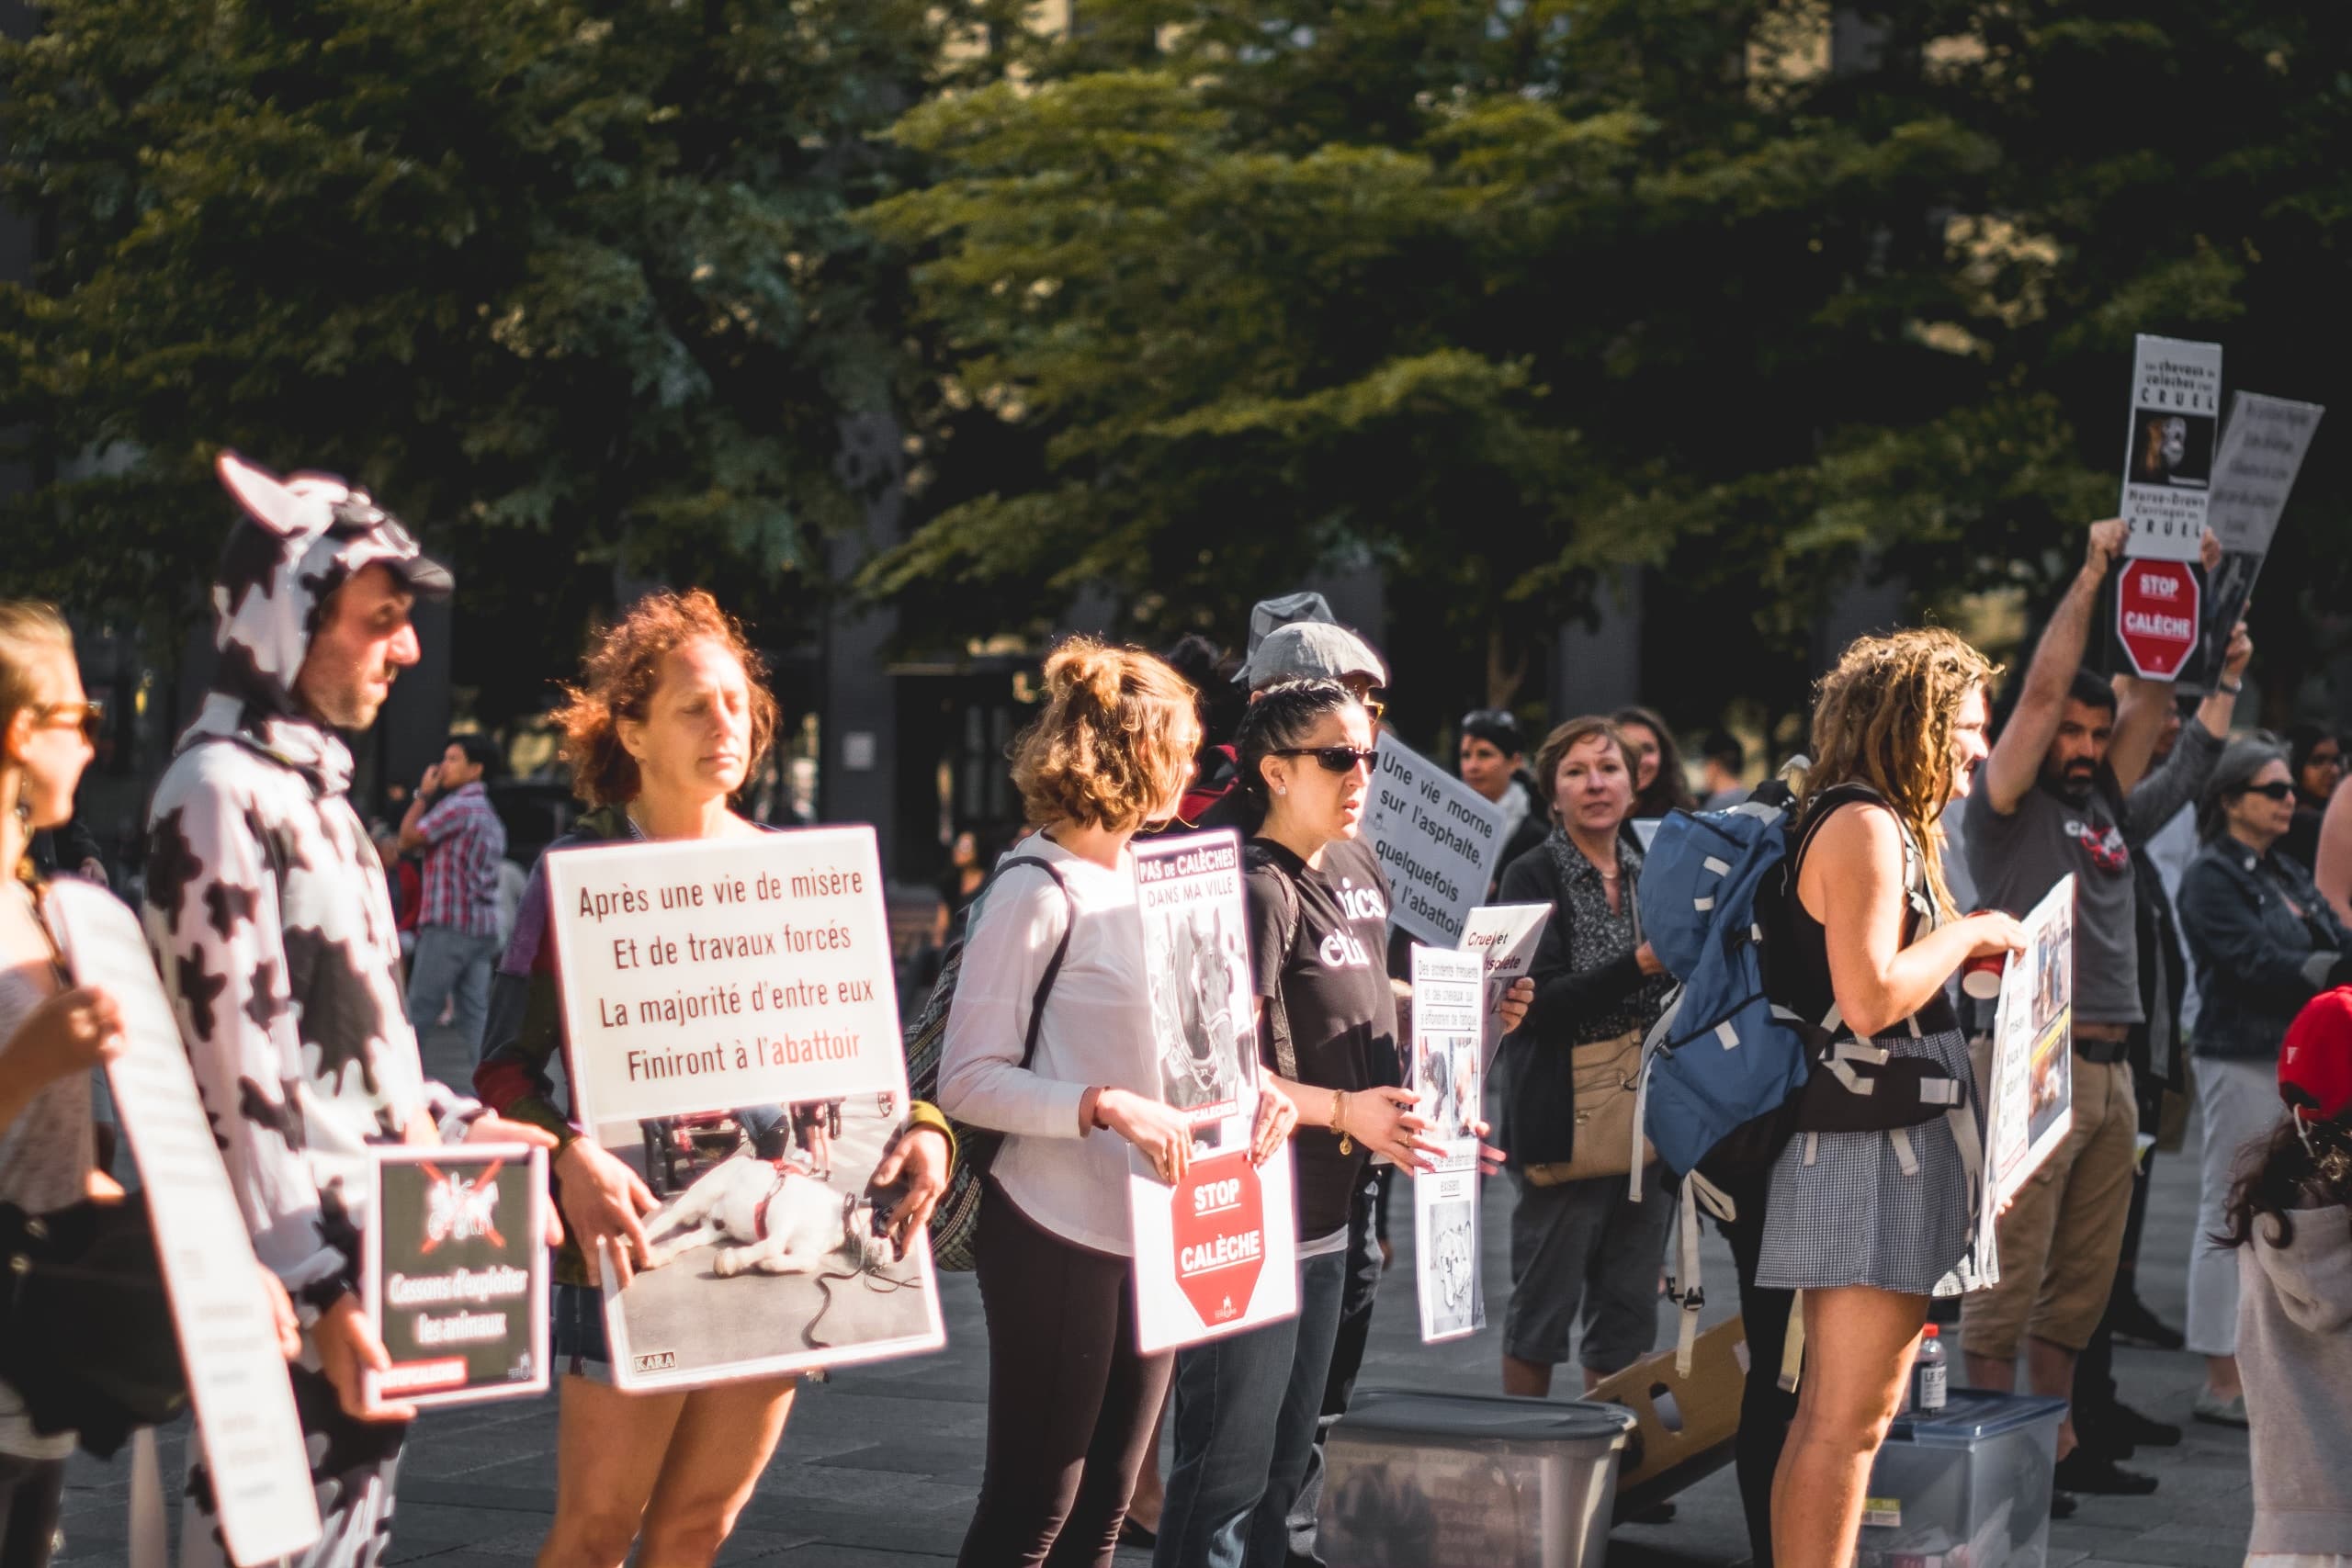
point(1438, 839)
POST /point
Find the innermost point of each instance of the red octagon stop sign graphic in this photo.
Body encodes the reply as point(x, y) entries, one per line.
point(1221, 1236)
point(2155, 615)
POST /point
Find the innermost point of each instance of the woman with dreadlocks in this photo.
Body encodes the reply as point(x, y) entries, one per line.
point(1866, 1220)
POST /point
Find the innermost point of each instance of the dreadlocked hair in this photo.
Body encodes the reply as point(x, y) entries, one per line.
point(1883, 716)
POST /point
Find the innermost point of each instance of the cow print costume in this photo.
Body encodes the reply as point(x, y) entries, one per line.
point(268, 914)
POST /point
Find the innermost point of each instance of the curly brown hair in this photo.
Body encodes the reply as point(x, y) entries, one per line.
point(619, 675)
point(1115, 742)
point(1884, 718)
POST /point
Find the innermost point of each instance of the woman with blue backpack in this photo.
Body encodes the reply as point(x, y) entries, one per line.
point(1868, 1218)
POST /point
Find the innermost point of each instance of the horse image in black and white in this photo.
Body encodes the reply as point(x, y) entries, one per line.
point(1201, 1040)
point(767, 1217)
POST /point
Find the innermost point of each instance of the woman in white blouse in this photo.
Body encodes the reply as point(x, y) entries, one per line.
point(1071, 1403)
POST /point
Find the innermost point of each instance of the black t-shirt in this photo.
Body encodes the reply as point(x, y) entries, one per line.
point(1335, 994)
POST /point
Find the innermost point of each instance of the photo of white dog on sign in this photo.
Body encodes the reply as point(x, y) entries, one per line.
point(776, 1216)
point(767, 1254)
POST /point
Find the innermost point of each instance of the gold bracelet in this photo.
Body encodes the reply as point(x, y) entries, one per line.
point(1338, 1109)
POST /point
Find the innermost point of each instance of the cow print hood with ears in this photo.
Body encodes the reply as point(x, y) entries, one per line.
point(298, 540)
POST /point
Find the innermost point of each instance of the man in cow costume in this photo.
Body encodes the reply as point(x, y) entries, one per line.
point(268, 910)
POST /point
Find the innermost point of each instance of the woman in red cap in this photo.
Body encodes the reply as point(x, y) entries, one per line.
point(2290, 1219)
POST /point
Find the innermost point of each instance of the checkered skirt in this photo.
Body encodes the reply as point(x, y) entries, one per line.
point(1844, 1211)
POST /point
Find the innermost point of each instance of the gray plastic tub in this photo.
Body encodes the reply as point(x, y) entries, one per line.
point(1420, 1480)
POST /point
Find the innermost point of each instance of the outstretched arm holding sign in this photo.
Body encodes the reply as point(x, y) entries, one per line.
point(2016, 760)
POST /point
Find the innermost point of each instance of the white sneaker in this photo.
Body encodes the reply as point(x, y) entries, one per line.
point(2211, 1407)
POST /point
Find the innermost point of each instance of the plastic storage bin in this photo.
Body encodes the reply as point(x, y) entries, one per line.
point(1966, 1487)
point(1470, 1480)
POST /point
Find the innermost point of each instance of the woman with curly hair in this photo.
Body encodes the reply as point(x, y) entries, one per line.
point(1050, 1040)
point(670, 717)
point(1867, 1222)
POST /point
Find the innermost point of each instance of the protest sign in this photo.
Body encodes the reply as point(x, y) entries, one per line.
point(1438, 840)
point(732, 1031)
point(454, 1273)
point(2168, 451)
point(727, 972)
point(228, 1333)
point(1196, 970)
point(1216, 1252)
point(2262, 451)
point(2030, 1091)
point(1504, 936)
point(1448, 997)
point(2155, 615)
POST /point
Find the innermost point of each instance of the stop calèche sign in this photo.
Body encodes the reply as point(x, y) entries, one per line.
point(2156, 616)
point(1221, 1236)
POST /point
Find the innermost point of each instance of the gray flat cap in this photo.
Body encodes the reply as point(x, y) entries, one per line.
point(1306, 650)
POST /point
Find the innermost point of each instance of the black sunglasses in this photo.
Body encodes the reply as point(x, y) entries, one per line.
point(2279, 789)
point(1335, 759)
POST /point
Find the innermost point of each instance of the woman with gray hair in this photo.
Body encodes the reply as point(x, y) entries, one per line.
point(2264, 944)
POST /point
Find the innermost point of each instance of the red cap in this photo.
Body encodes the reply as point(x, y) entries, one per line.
point(2315, 1063)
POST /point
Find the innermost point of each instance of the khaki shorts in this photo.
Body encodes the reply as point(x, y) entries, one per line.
point(2061, 1239)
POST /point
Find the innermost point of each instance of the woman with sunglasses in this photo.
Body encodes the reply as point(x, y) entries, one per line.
point(2264, 944)
point(1246, 1405)
point(52, 1034)
point(2316, 759)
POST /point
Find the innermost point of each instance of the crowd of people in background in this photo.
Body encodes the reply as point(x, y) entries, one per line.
point(1926, 821)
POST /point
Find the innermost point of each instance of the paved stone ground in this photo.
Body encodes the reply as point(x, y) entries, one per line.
point(880, 1466)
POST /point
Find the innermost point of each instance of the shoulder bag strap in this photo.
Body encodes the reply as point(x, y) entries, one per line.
point(1053, 965)
point(1293, 920)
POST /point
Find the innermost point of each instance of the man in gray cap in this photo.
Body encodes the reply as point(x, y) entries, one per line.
point(1267, 614)
point(1314, 650)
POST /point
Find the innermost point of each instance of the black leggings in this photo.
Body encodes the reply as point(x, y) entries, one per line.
point(31, 1490)
point(1765, 1408)
point(1071, 1405)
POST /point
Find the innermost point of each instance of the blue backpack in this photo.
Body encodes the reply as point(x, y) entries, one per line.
point(1723, 1056)
point(1728, 1072)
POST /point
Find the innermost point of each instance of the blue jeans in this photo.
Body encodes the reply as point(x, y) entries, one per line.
point(1246, 1412)
point(450, 963)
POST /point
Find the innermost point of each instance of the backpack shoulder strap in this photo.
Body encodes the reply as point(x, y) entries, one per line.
point(1293, 922)
point(1061, 949)
point(1822, 807)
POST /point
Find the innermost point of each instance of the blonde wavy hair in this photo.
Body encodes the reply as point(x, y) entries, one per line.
point(1884, 716)
point(1115, 743)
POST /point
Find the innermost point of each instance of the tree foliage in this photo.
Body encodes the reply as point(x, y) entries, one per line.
point(571, 284)
point(1512, 296)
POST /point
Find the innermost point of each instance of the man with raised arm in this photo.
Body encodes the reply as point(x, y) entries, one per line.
point(268, 910)
point(2051, 799)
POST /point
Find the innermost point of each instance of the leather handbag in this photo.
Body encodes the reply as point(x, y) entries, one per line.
point(1607, 1075)
point(86, 1335)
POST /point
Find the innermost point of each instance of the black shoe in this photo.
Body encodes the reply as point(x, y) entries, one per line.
point(1134, 1534)
point(2085, 1472)
point(2135, 1324)
point(1655, 1513)
point(2131, 1429)
point(2063, 1504)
